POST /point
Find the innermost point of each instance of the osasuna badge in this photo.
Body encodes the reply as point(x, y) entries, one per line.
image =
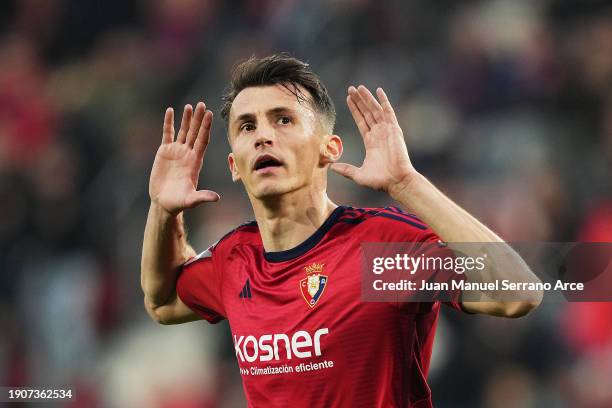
point(313, 285)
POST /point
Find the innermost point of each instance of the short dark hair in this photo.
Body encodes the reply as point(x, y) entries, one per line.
point(284, 70)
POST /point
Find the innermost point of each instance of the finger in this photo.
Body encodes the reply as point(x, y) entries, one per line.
point(362, 106)
point(196, 123)
point(202, 196)
point(371, 102)
point(344, 169)
point(203, 137)
point(168, 131)
point(362, 125)
point(386, 105)
point(187, 113)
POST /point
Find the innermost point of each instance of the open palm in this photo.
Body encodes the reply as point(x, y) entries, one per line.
point(386, 160)
point(174, 177)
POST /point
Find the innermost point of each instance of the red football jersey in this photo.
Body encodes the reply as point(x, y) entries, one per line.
point(302, 335)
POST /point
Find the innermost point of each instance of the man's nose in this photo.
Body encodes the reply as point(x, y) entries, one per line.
point(264, 138)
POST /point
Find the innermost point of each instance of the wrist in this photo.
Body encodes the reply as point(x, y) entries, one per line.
point(162, 213)
point(400, 189)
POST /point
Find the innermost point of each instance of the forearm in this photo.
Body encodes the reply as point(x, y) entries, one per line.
point(164, 249)
point(455, 225)
point(450, 222)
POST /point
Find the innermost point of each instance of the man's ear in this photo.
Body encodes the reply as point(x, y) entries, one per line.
point(331, 150)
point(233, 168)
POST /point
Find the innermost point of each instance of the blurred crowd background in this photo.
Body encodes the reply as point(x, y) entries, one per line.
point(507, 107)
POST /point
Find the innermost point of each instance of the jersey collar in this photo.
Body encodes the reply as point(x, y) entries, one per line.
point(314, 239)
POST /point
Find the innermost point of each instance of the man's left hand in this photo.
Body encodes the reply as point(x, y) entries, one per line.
point(386, 166)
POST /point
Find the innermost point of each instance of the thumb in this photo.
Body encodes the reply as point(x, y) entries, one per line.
point(196, 198)
point(344, 169)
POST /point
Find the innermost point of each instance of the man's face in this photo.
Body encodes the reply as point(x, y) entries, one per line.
point(277, 142)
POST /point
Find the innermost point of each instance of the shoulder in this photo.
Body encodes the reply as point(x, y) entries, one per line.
point(385, 223)
point(246, 233)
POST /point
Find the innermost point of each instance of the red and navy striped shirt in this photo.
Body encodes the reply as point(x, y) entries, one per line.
point(303, 336)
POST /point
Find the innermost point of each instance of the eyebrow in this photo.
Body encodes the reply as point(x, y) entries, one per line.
point(280, 109)
point(245, 117)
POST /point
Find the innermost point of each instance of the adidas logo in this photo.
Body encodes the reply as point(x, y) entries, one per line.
point(245, 293)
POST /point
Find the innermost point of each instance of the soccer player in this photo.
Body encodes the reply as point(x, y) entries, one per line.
point(289, 282)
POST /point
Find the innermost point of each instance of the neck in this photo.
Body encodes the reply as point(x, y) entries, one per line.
point(287, 220)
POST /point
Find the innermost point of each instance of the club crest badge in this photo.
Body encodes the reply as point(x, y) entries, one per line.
point(313, 285)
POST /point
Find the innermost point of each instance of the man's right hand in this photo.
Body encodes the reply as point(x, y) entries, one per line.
point(174, 177)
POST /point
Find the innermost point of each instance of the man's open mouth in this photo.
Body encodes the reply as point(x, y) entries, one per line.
point(265, 161)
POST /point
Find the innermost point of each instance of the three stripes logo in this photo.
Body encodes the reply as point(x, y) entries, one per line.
point(245, 293)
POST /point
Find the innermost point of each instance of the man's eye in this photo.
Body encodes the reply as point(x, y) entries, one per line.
point(248, 127)
point(284, 120)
